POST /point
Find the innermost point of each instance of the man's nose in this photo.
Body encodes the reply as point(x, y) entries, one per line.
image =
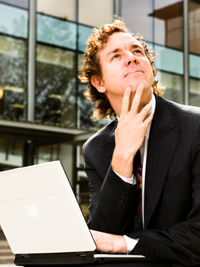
point(131, 59)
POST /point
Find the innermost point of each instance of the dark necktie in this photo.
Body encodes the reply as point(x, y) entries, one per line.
point(138, 193)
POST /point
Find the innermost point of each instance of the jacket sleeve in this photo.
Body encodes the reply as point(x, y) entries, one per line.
point(111, 199)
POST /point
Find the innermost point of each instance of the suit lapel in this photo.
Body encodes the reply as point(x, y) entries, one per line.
point(162, 143)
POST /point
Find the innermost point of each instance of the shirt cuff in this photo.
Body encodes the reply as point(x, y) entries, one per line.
point(131, 243)
point(131, 180)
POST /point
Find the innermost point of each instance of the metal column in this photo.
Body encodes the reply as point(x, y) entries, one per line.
point(186, 50)
point(31, 61)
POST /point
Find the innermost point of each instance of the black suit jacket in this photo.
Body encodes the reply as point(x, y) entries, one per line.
point(172, 186)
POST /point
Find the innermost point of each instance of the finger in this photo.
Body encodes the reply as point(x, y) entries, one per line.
point(145, 111)
point(125, 102)
point(137, 98)
point(148, 120)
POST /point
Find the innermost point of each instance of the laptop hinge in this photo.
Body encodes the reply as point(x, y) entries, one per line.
point(25, 255)
point(82, 254)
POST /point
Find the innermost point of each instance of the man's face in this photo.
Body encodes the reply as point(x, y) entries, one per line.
point(124, 63)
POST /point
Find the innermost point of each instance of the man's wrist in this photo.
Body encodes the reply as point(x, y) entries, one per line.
point(131, 180)
point(119, 244)
point(122, 167)
point(130, 243)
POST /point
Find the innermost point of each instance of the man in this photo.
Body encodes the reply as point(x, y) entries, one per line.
point(165, 136)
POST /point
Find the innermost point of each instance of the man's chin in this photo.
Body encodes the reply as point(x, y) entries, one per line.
point(134, 86)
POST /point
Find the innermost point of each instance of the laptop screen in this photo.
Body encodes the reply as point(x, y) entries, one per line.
point(39, 212)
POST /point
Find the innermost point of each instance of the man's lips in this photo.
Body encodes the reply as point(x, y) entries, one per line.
point(132, 72)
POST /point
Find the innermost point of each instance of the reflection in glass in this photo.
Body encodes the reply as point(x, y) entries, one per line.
point(137, 17)
point(83, 33)
point(80, 160)
point(56, 31)
point(58, 8)
point(62, 152)
point(82, 193)
point(85, 111)
point(13, 69)
point(19, 3)
point(11, 154)
point(46, 153)
point(82, 188)
point(168, 23)
point(169, 59)
point(81, 59)
point(194, 66)
point(55, 86)
point(14, 21)
point(194, 26)
point(173, 84)
point(194, 96)
point(95, 13)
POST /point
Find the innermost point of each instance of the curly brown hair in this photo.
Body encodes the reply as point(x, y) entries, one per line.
point(92, 67)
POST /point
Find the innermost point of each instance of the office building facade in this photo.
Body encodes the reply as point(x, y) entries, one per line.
point(43, 113)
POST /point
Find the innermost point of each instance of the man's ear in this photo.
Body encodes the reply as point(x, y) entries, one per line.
point(98, 84)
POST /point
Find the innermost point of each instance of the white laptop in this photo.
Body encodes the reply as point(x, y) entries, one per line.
point(42, 220)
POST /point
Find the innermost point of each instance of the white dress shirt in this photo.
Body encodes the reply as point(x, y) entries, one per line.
point(131, 243)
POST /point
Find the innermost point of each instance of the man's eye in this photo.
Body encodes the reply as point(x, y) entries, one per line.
point(137, 51)
point(115, 56)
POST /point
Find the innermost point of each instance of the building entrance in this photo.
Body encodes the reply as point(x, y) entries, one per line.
point(24, 144)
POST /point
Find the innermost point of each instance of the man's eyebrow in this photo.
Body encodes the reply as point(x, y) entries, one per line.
point(113, 51)
point(137, 46)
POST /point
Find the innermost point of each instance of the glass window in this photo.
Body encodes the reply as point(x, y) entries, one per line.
point(168, 23)
point(66, 157)
point(58, 8)
point(55, 86)
point(83, 33)
point(47, 153)
point(194, 96)
point(194, 26)
point(19, 3)
point(11, 154)
point(95, 12)
point(85, 111)
point(82, 183)
point(62, 152)
point(169, 59)
point(79, 157)
point(194, 63)
point(56, 31)
point(14, 21)
point(138, 17)
point(173, 84)
point(81, 59)
point(13, 78)
point(82, 193)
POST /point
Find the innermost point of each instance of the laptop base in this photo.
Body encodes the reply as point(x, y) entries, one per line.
point(68, 259)
point(54, 259)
